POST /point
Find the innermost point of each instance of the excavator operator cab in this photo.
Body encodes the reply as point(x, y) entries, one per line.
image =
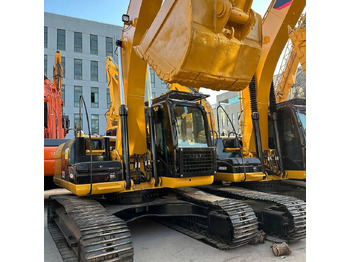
point(291, 121)
point(182, 136)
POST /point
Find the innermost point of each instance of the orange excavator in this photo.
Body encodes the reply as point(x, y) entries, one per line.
point(55, 123)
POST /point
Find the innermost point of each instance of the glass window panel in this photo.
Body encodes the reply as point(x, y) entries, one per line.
point(45, 64)
point(61, 39)
point(109, 46)
point(94, 71)
point(77, 121)
point(94, 124)
point(78, 91)
point(45, 36)
point(94, 97)
point(93, 45)
point(190, 127)
point(78, 42)
point(78, 69)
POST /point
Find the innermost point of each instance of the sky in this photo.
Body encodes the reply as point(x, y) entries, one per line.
point(110, 12)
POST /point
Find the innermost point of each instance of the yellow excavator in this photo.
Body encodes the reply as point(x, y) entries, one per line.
point(163, 148)
point(273, 150)
point(295, 54)
point(273, 147)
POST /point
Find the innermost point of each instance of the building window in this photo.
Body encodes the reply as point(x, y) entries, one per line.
point(94, 124)
point(223, 119)
point(153, 94)
point(45, 36)
point(108, 94)
point(78, 69)
point(109, 46)
point(45, 64)
point(94, 97)
point(233, 119)
point(93, 45)
point(77, 122)
point(94, 71)
point(78, 42)
point(78, 91)
point(164, 85)
point(153, 77)
point(63, 62)
point(61, 39)
point(63, 94)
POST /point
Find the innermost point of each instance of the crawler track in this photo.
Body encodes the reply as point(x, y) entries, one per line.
point(241, 225)
point(292, 188)
point(96, 233)
point(289, 212)
point(92, 233)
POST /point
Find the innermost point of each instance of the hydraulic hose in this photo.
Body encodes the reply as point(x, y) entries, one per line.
point(82, 101)
point(123, 113)
point(255, 120)
point(273, 112)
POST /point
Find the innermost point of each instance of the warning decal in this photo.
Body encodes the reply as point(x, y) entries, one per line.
point(280, 4)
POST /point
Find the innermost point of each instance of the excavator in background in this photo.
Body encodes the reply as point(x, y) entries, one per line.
point(273, 148)
point(255, 164)
point(278, 131)
point(295, 54)
point(269, 160)
point(162, 159)
point(56, 124)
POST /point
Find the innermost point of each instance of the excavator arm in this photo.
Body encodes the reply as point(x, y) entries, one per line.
point(112, 115)
point(280, 15)
point(58, 72)
point(297, 54)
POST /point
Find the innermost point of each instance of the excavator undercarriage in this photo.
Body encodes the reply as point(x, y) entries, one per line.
point(96, 230)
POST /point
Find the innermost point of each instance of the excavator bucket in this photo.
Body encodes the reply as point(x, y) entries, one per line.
point(204, 43)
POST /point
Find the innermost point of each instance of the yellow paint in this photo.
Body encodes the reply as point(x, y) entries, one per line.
point(275, 28)
point(119, 186)
point(95, 152)
point(296, 174)
point(239, 177)
point(194, 44)
point(97, 188)
point(185, 182)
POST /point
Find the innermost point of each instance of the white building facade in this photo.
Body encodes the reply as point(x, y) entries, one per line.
point(84, 46)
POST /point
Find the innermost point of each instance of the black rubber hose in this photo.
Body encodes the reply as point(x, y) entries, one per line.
point(253, 99)
point(255, 120)
point(82, 101)
point(273, 113)
point(273, 103)
point(123, 113)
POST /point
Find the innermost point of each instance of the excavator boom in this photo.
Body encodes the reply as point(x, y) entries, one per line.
point(280, 14)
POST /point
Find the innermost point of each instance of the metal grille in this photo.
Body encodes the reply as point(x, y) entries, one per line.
point(197, 162)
